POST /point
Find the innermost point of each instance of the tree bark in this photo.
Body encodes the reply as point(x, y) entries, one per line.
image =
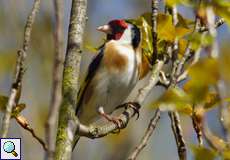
point(70, 84)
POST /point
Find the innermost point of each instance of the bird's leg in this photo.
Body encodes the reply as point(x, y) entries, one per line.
point(110, 118)
point(134, 105)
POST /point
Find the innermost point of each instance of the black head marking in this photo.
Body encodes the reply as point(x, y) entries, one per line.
point(136, 36)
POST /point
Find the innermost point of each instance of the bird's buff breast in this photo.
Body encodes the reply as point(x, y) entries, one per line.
point(111, 85)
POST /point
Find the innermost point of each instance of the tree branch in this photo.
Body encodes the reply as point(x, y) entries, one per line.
point(174, 116)
point(51, 123)
point(15, 92)
point(177, 131)
point(70, 85)
point(197, 124)
point(154, 29)
point(217, 24)
point(24, 123)
point(146, 137)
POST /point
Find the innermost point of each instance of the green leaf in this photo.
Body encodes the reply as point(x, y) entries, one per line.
point(203, 74)
point(202, 153)
point(166, 31)
point(200, 40)
point(182, 44)
point(143, 22)
point(205, 71)
point(16, 110)
point(184, 22)
point(211, 99)
point(165, 27)
point(174, 99)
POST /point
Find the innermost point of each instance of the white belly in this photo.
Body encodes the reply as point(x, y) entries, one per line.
point(109, 89)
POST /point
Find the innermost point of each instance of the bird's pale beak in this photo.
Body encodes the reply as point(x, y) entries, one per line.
point(105, 28)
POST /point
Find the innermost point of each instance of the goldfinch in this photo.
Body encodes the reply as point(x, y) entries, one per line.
point(113, 73)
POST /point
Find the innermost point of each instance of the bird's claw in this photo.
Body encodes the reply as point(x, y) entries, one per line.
point(110, 118)
point(134, 105)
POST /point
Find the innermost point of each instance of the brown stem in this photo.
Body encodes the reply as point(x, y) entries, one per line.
point(197, 125)
point(177, 131)
point(154, 29)
point(24, 123)
point(51, 123)
point(15, 91)
point(146, 137)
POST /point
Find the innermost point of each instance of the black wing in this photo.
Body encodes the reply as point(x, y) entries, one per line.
point(94, 65)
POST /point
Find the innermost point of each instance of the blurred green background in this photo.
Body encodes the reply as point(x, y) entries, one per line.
point(37, 80)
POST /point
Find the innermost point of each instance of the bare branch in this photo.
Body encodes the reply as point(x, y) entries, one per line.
point(24, 123)
point(154, 29)
point(197, 124)
point(67, 119)
point(174, 116)
point(146, 137)
point(16, 86)
point(224, 110)
point(51, 123)
point(217, 24)
point(214, 141)
point(176, 127)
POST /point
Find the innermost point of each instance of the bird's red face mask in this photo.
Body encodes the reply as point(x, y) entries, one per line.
point(114, 29)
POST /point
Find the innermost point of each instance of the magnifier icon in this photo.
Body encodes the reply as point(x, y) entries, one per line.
point(9, 147)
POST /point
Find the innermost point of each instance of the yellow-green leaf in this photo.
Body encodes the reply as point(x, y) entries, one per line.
point(181, 31)
point(166, 31)
point(16, 110)
point(165, 27)
point(184, 22)
point(174, 99)
point(203, 74)
point(210, 100)
point(205, 71)
point(202, 153)
point(182, 44)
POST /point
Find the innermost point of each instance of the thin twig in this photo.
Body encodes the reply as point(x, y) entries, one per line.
point(16, 86)
point(176, 127)
point(154, 29)
point(24, 123)
point(224, 110)
point(214, 141)
point(174, 116)
point(218, 23)
point(51, 123)
point(197, 124)
point(146, 137)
